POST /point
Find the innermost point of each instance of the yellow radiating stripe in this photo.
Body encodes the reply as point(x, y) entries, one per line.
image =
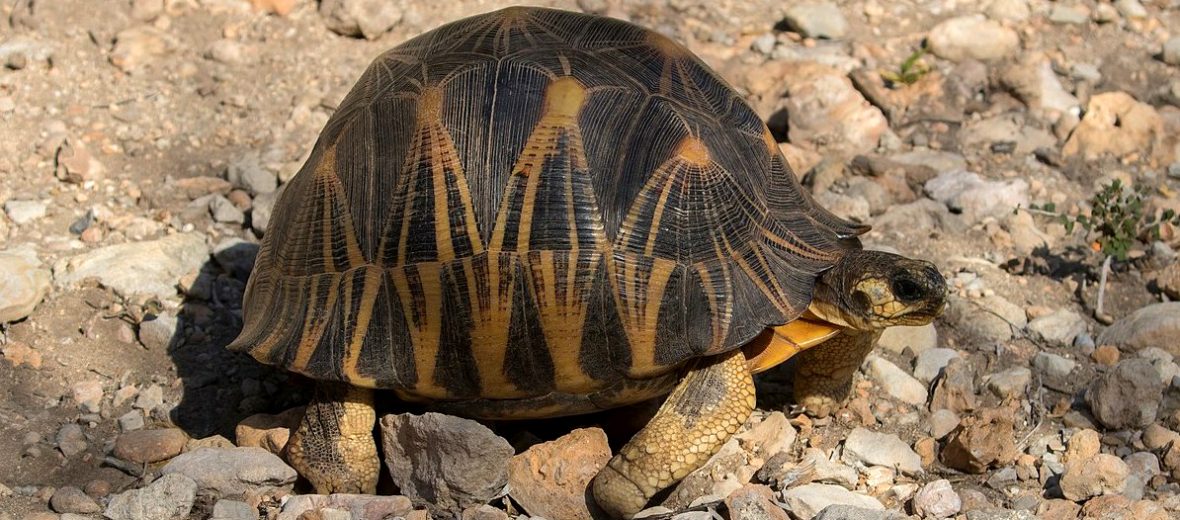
point(364, 315)
point(313, 328)
point(445, 247)
point(425, 324)
point(654, 231)
point(489, 330)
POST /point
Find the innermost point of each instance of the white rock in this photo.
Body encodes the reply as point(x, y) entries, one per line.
point(1010, 383)
point(88, 394)
point(1012, 10)
point(153, 267)
point(942, 422)
point(844, 206)
point(1060, 327)
point(896, 382)
point(817, 20)
point(972, 37)
point(937, 500)
point(930, 362)
point(1171, 52)
point(1131, 8)
point(809, 499)
point(826, 470)
point(881, 449)
point(917, 339)
point(1054, 366)
point(975, 197)
point(22, 212)
point(826, 113)
point(23, 283)
point(170, 496)
point(367, 18)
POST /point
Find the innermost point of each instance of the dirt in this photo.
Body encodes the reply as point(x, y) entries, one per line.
point(182, 114)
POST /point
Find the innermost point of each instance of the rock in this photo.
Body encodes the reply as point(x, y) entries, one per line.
point(224, 211)
point(269, 432)
point(22, 212)
point(1128, 396)
point(896, 382)
point(1093, 476)
point(1156, 437)
point(279, 7)
point(1053, 366)
point(70, 440)
point(1069, 14)
point(444, 462)
point(1008, 132)
point(551, 479)
point(147, 446)
point(1035, 83)
point(930, 363)
point(484, 512)
point(1010, 383)
point(846, 512)
point(909, 219)
point(817, 20)
point(367, 18)
point(69, 499)
point(137, 46)
point(1105, 355)
point(131, 421)
point(1058, 509)
point(24, 285)
point(147, 10)
point(1171, 52)
point(880, 449)
point(231, 472)
point(361, 507)
point(752, 502)
point(225, 51)
point(806, 501)
point(972, 37)
point(236, 256)
point(157, 333)
point(75, 163)
point(261, 209)
point(844, 206)
point(955, 390)
point(151, 268)
point(942, 423)
point(917, 339)
point(1155, 325)
point(168, 498)
point(1131, 8)
point(991, 318)
point(19, 354)
point(247, 173)
point(983, 440)
point(937, 500)
point(1008, 10)
point(150, 399)
point(975, 198)
point(1118, 125)
point(1169, 277)
point(1060, 327)
point(88, 394)
point(233, 510)
point(213, 441)
point(826, 113)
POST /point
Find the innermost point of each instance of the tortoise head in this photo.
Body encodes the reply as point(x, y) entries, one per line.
point(871, 290)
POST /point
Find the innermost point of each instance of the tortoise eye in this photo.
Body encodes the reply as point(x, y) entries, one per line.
point(906, 289)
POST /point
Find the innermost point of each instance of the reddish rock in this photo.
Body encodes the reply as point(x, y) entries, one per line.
point(269, 432)
point(147, 446)
point(1107, 355)
point(1099, 475)
point(551, 479)
point(754, 502)
point(983, 440)
point(1058, 509)
point(1118, 506)
point(279, 7)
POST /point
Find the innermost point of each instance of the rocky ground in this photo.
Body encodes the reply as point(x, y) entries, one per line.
point(144, 143)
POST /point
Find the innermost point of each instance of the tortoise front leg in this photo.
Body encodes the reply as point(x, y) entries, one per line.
point(709, 405)
point(334, 447)
point(823, 375)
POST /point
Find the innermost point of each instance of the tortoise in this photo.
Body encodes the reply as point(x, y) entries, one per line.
point(535, 213)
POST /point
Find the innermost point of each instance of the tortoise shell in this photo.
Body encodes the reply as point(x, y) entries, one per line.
point(533, 201)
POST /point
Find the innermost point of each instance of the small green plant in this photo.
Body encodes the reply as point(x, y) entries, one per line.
point(1118, 221)
point(910, 71)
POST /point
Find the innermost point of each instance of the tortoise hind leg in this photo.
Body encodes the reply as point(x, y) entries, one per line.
point(823, 376)
point(709, 405)
point(334, 447)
